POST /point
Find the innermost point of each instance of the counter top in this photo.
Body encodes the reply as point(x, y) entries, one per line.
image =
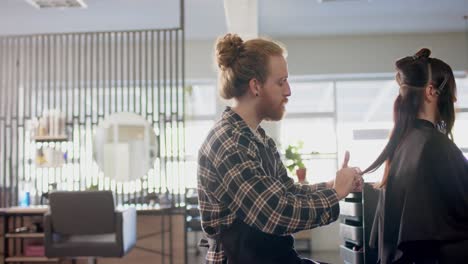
point(141, 209)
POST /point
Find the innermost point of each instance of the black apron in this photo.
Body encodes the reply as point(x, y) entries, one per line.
point(243, 244)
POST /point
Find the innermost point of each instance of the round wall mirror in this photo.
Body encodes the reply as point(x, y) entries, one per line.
point(125, 146)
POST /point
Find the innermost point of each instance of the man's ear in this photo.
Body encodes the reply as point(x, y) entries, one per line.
point(254, 86)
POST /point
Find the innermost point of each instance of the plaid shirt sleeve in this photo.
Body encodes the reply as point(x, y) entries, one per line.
point(304, 189)
point(266, 202)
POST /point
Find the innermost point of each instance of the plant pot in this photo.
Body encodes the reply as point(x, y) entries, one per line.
point(301, 174)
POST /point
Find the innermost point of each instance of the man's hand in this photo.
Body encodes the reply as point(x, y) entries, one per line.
point(347, 179)
point(358, 183)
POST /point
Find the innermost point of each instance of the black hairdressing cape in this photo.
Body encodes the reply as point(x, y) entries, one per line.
point(422, 214)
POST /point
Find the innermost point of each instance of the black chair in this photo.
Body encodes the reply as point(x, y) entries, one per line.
point(86, 224)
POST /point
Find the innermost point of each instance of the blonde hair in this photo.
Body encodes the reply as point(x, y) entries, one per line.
point(240, 61)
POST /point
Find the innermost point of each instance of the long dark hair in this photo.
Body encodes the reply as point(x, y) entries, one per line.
point(414, 74)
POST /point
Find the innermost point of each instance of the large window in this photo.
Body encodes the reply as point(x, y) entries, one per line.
point(364, 119)
point(329, 115)
point(201, 110)
point(460, 128)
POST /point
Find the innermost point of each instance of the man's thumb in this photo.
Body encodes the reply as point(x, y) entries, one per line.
point(346, 160)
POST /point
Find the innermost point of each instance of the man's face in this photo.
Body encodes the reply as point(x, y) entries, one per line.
point(275, 90)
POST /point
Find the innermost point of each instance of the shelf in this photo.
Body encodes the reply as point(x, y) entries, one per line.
point(69, 161)
point(50, 138)
point(50, 167)
point(27, 210)
point(24, 235)
point(31, 259)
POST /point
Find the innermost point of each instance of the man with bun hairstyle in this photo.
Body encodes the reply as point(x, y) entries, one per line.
point(249, 206)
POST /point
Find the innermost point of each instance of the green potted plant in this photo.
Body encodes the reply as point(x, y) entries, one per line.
point(294, 161)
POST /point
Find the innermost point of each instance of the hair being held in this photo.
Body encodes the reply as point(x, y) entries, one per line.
point(414, 74)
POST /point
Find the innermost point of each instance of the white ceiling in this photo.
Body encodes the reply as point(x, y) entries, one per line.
point(205, 18)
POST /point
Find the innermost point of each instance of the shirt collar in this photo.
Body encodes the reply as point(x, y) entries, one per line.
point(424, 123)
point(237, 121)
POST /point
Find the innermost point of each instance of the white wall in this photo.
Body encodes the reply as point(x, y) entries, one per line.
point(343, 54)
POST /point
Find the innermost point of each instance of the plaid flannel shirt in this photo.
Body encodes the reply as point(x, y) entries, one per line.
point(242, 177)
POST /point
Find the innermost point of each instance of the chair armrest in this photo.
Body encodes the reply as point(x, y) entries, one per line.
point(126, 229)
point(48, 241)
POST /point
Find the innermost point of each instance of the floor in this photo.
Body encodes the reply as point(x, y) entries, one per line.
point(332, 257)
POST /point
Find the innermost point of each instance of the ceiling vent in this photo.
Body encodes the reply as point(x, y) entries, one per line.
point(42, 4)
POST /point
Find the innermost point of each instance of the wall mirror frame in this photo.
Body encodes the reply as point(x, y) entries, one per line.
point(125, 146)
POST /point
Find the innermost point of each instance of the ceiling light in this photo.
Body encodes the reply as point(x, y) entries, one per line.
point(57, 3)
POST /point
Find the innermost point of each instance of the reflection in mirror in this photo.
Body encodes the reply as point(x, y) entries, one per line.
point(125, 146)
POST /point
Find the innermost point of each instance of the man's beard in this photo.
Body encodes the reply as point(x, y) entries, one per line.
point(272, 112)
